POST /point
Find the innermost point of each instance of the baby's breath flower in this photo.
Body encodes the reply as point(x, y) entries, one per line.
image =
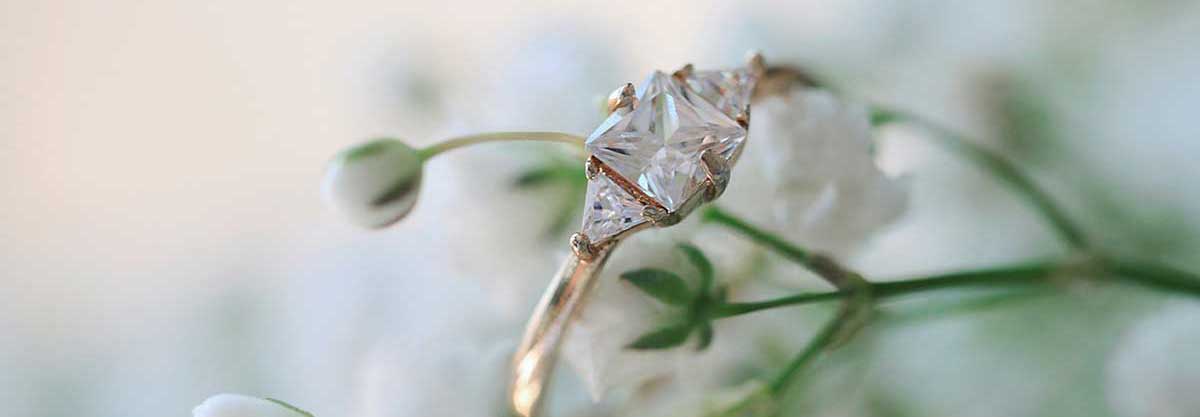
point(1155, 369)
point(374, 184)
point(237, 405)
point(813, 152)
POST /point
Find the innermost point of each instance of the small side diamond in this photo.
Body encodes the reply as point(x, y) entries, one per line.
point(609, 210)
point(728, 90)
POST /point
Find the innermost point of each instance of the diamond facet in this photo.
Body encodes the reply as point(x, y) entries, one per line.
point(609, 209)
point(728, 90)
point(657, 145)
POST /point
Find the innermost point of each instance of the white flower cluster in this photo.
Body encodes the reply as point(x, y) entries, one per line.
point(813, 152)
point(1154, 370)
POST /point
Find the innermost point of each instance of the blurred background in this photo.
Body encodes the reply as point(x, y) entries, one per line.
point(164, 238)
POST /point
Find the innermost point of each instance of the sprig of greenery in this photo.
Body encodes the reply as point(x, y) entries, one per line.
point(663, 285)
point(703, 307)
point(859, 298)
point(698, 307)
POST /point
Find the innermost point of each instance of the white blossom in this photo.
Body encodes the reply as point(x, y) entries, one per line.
point(446, 377)
point(237, 405)
point(1155, 369)
point(810, 163)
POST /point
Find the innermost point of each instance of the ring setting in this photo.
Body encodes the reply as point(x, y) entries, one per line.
point(666, 147)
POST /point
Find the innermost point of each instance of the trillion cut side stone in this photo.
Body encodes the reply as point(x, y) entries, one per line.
point(657, 145)
point(609, 210)
point(728, 90)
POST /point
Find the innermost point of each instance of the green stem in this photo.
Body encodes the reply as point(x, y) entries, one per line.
point(714, 214)
point(997, 165)
point(1018, 274)
point(815, 346)
point(469, 140)
point(823, 266)
point(1155, 276)
point(737, 309)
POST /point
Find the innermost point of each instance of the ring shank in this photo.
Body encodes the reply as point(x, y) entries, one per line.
point(564, 298)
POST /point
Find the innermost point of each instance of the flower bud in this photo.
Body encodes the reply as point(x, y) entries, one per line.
point(374, 184)
point(236, 405)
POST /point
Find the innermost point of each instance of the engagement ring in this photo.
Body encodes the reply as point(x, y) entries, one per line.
point(666, 147)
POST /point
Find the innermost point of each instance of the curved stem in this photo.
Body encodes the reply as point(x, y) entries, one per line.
point(998, 166)
point(737, 309)
point(714, 214)
point(1018, 274)
point(819, 342)
point(825, 267)
point(1154, 275)
point(464, 141)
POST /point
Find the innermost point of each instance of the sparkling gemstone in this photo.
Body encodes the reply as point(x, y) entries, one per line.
point(609, 209)
point(728, 90)
point(657, 145)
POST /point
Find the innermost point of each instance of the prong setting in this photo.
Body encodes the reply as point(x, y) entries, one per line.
point(716, 174)
point(624, 97)
point(654, 214)
point(591, 170)
point(583, 247)
point(756, 63)
point(683, 73)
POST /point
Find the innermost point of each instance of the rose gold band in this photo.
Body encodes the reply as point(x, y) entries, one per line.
point(565, 297)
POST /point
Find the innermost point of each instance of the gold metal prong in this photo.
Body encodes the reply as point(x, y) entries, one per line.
point(590, 168)
point(654, 214)
point(716, 174)
point(756, 63)
point(624, 96)
point(683, 73)
point(743, 118)
point(582, 246)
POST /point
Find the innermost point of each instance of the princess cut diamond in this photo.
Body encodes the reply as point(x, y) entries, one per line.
point(657, 145)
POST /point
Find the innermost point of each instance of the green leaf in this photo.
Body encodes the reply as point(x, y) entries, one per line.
point(663, 338)
point(289, 407)
point(706, 336)
point(702, 264)
point(538, 176)
point(663, 285)
point(880, 117)
point(552, 171)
